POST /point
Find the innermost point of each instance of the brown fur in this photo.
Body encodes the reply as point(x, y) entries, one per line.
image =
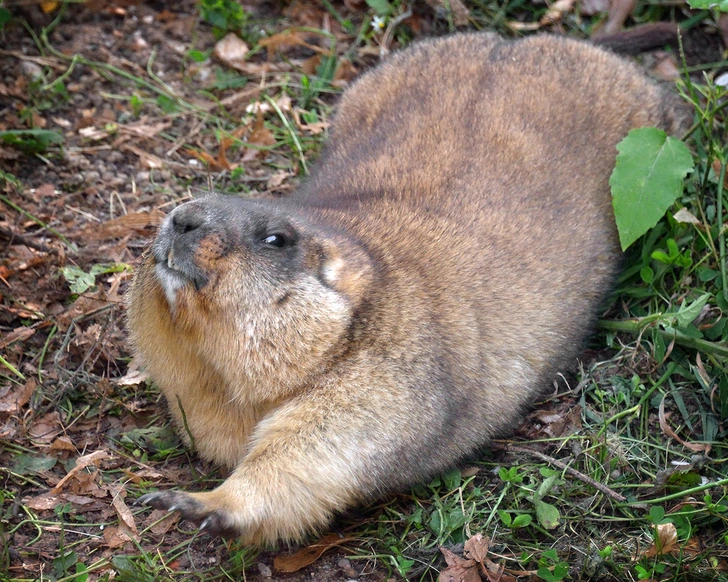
point(442, 265)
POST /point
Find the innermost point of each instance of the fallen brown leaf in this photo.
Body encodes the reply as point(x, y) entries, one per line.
point(458, 569)
point(122, 510)
point(163, 521)
point(261, 135)
point(18, 397)
point(20, 334)
point(48, 6)
point(308, 555)
point(81, 463)
point(231, 51)
point(46, 428)
point(285, 40)
point(44, 502)
point(205, 158)
point(62, 443)
point(476, 548)
point(667, 430)
point(665, 542)
point(116, 536)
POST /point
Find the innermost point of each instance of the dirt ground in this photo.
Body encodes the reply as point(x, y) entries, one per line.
point(78, 425)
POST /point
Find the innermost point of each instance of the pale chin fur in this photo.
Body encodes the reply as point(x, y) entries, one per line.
point(170, 282)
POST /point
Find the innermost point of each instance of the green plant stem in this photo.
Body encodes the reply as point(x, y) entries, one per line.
point(10, 367)
point(44, 351)
point(679, 495)
point(636, 326)
point(721, 233)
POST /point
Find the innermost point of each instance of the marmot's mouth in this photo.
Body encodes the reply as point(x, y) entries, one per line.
point(170, 280)
point(173, 274)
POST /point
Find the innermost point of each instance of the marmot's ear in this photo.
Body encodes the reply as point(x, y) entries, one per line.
point(346, 267)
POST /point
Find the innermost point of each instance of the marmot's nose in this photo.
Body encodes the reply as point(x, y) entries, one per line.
point(186, 218)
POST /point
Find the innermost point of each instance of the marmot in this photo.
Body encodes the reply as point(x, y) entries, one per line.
point(446, 259)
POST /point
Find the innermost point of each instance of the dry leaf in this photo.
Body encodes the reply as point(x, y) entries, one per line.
point(79, 499)
point(116, 536)
point(19, 397)
point(146, 159)
point(309, 66)
point(716, 169)
point(44, 502)
point(458, 569)
point(261, 135)
point(163, 521)
point(123, 512)
point(81, 463)
point(469, 472)
point(345, 72)
point(44, 191)
point(222, 160)
point(476, 548)
point(685, 216)
point(132, 378)
point(47, 428)
point(48, 6)
point(20, 334)
point(667, 430)
point(231, 51)
point(62, 443)
point(204, 157)
point(308, 555)
point(693, 547)
point(277, 180)
point(285, 40)
point(666, 541)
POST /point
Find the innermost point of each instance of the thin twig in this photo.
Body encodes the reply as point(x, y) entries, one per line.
point(14, 237)
point(561, 465)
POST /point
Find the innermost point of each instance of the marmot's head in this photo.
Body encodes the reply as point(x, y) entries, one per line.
point(266, 293)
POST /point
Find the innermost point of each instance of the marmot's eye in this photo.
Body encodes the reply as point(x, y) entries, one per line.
point(275, 240)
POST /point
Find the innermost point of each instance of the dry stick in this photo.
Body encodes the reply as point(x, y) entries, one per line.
point(15, 237)
point(561, 465)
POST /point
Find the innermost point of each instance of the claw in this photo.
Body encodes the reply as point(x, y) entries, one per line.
point(146, 499)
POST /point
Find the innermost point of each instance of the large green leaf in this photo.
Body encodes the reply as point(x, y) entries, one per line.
point(647, 180)
point(721, 5)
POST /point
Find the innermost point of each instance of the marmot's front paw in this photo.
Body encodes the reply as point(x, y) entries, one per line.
point(190, 509)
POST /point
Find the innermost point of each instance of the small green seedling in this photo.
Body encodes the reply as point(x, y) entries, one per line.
point(80, 281)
